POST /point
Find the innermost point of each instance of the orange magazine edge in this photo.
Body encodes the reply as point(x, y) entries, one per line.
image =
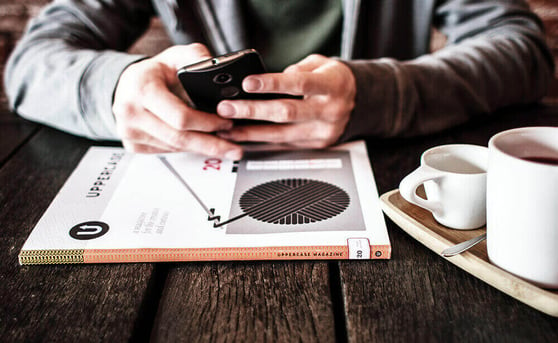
point(336, 252)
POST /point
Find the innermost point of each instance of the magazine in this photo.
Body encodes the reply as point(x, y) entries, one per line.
point(274, 204)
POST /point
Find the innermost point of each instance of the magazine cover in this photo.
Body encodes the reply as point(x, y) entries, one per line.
point(273, 204)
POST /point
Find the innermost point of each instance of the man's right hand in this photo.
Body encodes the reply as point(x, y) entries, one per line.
point(152, 115)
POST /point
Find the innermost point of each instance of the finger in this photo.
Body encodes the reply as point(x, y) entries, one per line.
point(139, 137)
point(284, 133)
point(134, 129)
point(278, 111)
point(143, 148)
point(148, 129)
point(312, 144)
point(201, 143)
point(308, 64)
point(258, 133)
point(180, 55)
point(210, 145)
point(146, 140)
point(303, 83)
point(173, 111)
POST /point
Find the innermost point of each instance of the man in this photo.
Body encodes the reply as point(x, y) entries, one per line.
point(71, 71)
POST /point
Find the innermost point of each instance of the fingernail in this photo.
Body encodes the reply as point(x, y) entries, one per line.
point(252, 84)
point(234, 155)
point(226, 110)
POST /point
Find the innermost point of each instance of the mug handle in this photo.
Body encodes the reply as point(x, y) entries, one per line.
point(410, 183)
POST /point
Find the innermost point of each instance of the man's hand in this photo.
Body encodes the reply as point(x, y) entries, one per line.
point(318, 120)
point(152, 116)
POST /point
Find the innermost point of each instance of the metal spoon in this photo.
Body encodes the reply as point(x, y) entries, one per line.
point(463, 246)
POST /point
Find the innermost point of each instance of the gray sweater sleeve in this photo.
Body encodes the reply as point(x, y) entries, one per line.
point(495, 56)
point(64, 70)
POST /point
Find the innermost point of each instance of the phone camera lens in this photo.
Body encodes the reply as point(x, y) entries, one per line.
point(230, 92)
point(222, 78)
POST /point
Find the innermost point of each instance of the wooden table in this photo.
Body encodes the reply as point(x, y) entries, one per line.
point(415, 296)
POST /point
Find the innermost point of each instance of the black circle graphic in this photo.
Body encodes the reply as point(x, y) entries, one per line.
point(89, 230)
point(294, 201)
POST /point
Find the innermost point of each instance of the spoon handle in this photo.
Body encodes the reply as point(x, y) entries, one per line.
point(463, 246)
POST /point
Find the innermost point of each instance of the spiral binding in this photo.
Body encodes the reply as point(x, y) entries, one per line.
point(28, 257)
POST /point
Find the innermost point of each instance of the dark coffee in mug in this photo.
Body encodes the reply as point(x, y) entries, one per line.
point(544, 160)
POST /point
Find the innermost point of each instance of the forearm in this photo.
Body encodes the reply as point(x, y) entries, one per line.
point(64, 71)
point(500, 65)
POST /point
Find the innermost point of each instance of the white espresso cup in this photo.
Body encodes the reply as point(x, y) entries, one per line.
point(522, 203)
point(454, 178)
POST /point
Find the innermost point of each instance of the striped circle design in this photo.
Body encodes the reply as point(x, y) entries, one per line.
point(294, 201)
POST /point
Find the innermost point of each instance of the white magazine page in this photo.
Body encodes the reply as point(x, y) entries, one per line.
point(162, 201)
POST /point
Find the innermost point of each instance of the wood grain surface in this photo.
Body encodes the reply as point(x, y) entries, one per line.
point(246, 302)
point(14, 131)
point(61, 303)
point(415, 296)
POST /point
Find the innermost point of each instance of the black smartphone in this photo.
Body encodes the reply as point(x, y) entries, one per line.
point(219, 78)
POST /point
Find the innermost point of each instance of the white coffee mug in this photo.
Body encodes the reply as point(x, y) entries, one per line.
point(522, 203)
point(454, 178)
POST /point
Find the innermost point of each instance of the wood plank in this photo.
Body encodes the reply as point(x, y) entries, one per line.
point(254, 302)
point(14, 131)
point(418, 295)
point(66, 302)
point(8, 117)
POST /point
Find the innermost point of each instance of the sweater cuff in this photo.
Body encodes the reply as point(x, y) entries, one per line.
point(96, 91)
point(376, 101)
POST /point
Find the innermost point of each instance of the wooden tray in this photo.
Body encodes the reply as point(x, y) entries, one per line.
point(420, 224)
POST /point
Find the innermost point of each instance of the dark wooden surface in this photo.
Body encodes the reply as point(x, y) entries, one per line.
point(415, 296)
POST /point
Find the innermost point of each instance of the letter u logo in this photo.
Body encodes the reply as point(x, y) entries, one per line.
point(89, 230)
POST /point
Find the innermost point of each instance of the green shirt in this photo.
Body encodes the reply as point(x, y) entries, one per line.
point(286, 31)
